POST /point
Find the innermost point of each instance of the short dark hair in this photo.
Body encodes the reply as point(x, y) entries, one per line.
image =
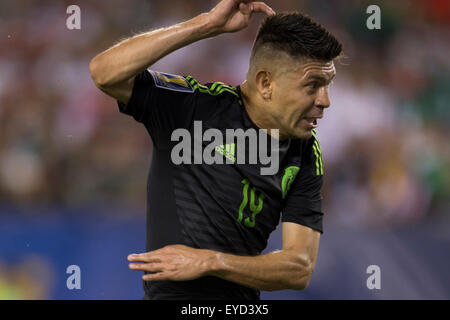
point(297, 35)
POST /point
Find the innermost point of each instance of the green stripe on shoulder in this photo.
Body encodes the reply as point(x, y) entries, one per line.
point(215, 89)
point(318, 154)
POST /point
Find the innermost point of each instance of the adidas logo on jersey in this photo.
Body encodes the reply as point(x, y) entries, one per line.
point(227, 150)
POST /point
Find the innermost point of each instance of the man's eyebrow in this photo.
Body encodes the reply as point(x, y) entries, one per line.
point(319, 77)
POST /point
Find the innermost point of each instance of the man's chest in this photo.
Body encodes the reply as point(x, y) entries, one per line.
point(239, 190)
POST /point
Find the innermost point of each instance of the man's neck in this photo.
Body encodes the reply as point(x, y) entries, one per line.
point(259, 117)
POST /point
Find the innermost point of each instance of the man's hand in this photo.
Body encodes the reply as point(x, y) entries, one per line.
point(174, 262)
point(289, 268)
point(235, 15)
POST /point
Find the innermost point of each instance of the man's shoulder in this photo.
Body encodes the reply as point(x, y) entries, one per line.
point(186, 86)
point(305, 148)
point(218, 104)
point(213, 89)
point(309, 143)
point(171, 82)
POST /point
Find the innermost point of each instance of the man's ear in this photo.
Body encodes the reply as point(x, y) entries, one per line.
point(263, 80)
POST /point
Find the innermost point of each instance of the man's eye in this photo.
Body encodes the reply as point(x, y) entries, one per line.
point(312, 87)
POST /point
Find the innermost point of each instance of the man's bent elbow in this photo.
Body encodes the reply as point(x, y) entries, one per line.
point(95, 74)
point(300, 285)
point(300, 280)
point(101, 79)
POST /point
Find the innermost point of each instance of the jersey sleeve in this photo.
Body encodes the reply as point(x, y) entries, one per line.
point(162, 102)
point(303, 204)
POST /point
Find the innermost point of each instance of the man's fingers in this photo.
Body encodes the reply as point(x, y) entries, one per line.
point(151, 267)
point(152, 256)
point(245, 8)
point(249, 7)
point(143, 257)
point(156, 276)
point(263, 8)
point(137, 257)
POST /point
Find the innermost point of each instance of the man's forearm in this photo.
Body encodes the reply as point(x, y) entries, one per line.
point(285, 269)
point(126, 59)
point(277, 270)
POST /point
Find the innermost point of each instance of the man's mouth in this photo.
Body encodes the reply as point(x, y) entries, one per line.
point(312, 122)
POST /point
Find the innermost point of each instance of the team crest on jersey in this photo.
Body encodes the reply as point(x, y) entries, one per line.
point(289, 176)
point(171, 82)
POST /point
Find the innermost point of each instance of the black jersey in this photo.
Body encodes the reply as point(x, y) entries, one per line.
point(228, 207)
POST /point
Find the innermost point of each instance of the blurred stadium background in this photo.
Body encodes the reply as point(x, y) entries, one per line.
point(73, 169)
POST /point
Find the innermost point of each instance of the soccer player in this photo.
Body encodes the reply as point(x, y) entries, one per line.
point(207, 224)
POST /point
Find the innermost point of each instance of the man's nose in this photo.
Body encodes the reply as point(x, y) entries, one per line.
point(323, 98)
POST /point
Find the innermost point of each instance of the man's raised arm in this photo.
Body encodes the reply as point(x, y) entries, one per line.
point(113, 70)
